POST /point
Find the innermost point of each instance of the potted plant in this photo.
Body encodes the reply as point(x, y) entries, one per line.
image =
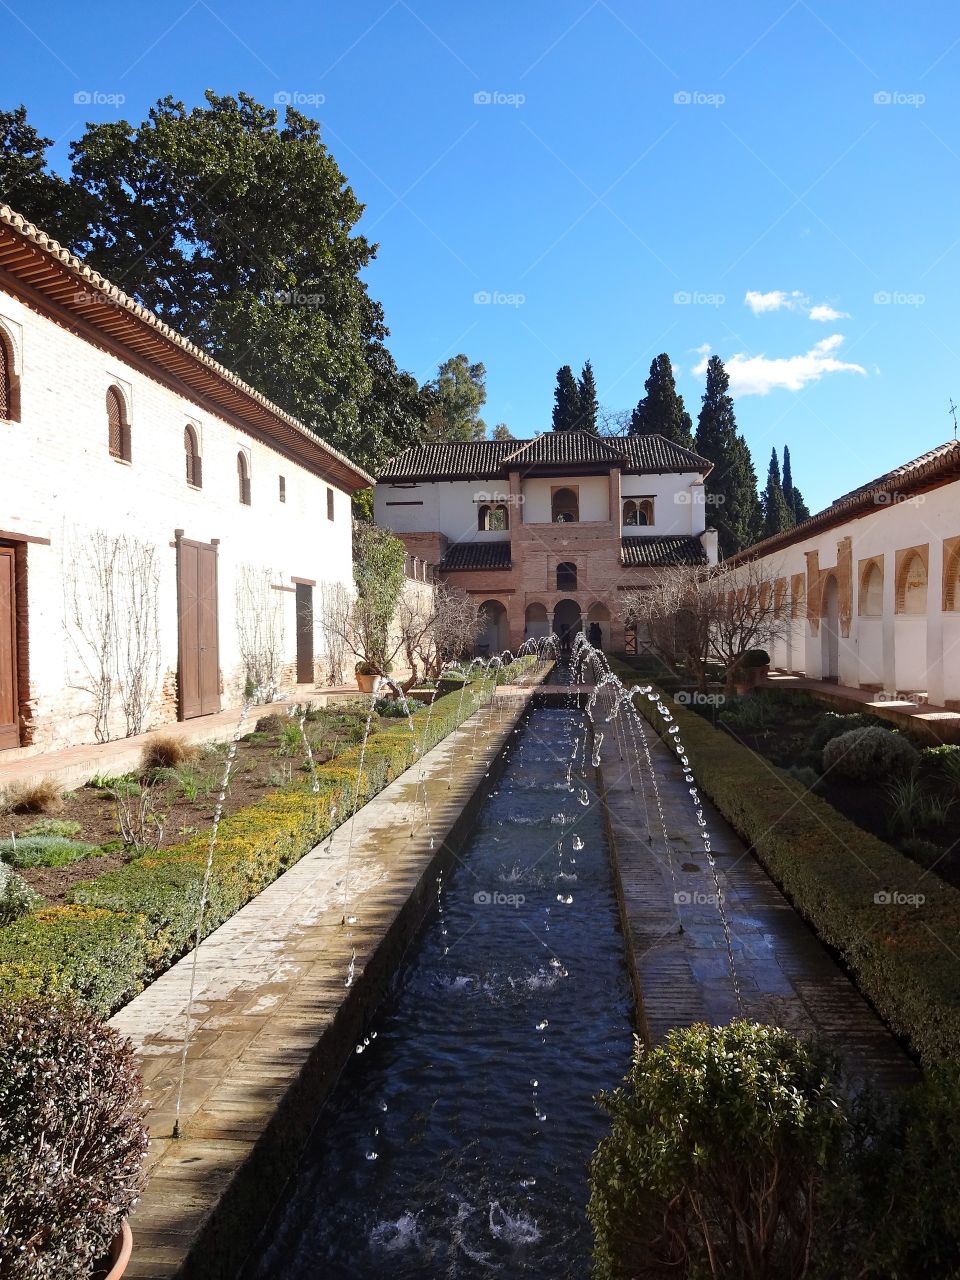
point(752, 666)
point(368, 673)
point(72, 1143)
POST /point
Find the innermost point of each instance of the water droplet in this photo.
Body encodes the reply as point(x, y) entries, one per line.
point(577, 842)
point(371, 1155)
point(542, 1026)
point(528, 1182)
point(535, 1083)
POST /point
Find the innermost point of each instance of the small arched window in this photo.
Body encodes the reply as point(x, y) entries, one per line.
point(566, 576)
point(483, 518)
point(243, 478)
point(118, 426)
point(565, 506)
point(192, 451)
point(629, 512)
point(9, 382)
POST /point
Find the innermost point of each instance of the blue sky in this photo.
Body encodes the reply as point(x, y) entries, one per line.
point(775, 182)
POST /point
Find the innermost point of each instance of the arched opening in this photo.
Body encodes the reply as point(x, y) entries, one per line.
point(951, 581)
point(567, 621)
point(871, 591)
point(536, 624)
point(830, 631)
point(598, 626)
point(483, 517)
point(9, 382)
point(912, 586)
point(492, 518)
point(566, 576)
point(493, 637)
point(243, 478)
point(118, 426)
point(565, 506)
point(638, 512)
point(192, 452)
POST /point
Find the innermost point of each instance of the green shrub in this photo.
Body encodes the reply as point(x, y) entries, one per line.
point(52, 827)
point(99, 958)
point(906, 959)
point(944, 763)
point(923, 851)
point(750, 712)
point(869, 755)
point(16, 896)
point(832, 724)
point(72, 1141)
point(808, 778)
point(721, 1147)
point(44, 851)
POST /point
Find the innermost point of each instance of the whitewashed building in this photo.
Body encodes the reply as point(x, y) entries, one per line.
point(165, 531)
point(869, 588)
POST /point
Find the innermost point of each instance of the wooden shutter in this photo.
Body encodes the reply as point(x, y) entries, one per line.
point(115, 424)
point(329, 503)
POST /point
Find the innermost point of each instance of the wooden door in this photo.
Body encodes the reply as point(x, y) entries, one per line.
point(305, 671)
point(199, 667)
point(9, 693)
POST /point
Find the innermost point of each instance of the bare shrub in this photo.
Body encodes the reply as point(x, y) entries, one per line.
point(41, 796)
point(166, 751)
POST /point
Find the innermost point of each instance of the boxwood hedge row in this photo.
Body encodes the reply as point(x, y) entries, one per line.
point(120, 930)
point(896, 926)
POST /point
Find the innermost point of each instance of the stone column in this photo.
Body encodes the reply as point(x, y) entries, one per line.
point(935, 686)
point(888, 622)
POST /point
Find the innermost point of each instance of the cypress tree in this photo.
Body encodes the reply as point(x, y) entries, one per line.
point(587, 400)
point(795, 502)
point(777, 515)
point(731, 487)
point(566, 401)
point(662, 411)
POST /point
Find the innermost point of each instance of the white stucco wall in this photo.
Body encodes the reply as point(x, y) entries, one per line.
point(59, 482)
point(594, 494)
point(897, 652)
point(678, 507)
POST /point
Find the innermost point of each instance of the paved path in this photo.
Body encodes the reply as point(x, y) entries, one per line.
point(272, 987)
point(74, 766)
point(786, 976)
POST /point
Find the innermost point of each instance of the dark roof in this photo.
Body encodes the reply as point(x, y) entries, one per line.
point(653, 552)
point(477, 459)
point(476, 555)
point(937, 467)
point(31, 256)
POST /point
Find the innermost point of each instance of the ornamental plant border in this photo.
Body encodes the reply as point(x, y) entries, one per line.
point(121, 930)
point(894, 925)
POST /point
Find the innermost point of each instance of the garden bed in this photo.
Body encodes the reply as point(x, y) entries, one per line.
point(894, 925)
point(110, 934)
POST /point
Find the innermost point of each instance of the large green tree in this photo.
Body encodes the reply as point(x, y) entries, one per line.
point(661, 411)
point(777, 516)
point(793, 496)
point(456, 396)
point(566, 401)
point(587, 400)
point(238, 230)
point(731, 487)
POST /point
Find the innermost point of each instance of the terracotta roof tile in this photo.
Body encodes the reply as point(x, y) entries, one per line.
point(653, 552)
point(477, 555)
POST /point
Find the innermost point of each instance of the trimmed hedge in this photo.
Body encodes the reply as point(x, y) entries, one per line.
point(853, 888)
point(124, 927)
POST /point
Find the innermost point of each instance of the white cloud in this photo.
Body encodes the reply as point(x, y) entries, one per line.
point(704, 349)
point(781, 300)
point(825, 313)
point(758, 375)
point(775, 300)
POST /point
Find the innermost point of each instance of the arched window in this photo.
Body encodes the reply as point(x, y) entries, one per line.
point(243, 477)
point(118, 426)
point(192, 452)
point(638, 511)
point(951, 580)
point(483, 517)
point(565, 506)
point(566, 576)
point(492, 519)
point(871, 591)
point(912, 586)
point(9, 382)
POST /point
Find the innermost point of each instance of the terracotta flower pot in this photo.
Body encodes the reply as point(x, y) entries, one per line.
point(366, 683)
point(120, 1252)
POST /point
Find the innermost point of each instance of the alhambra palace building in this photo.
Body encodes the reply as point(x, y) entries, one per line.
point(544, 534)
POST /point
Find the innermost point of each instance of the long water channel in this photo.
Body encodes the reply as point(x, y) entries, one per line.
point(457, 1140)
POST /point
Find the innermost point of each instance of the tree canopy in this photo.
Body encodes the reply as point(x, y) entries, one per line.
point(240, 232)
point(661, 411)
point(566, 401)
point(455, 397)
point(731, 488)
point(777, 516)
point(587, 402)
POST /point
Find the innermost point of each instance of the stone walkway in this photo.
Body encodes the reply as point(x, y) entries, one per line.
point(786, 976)
point(274, 1018)
point(74, 766)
